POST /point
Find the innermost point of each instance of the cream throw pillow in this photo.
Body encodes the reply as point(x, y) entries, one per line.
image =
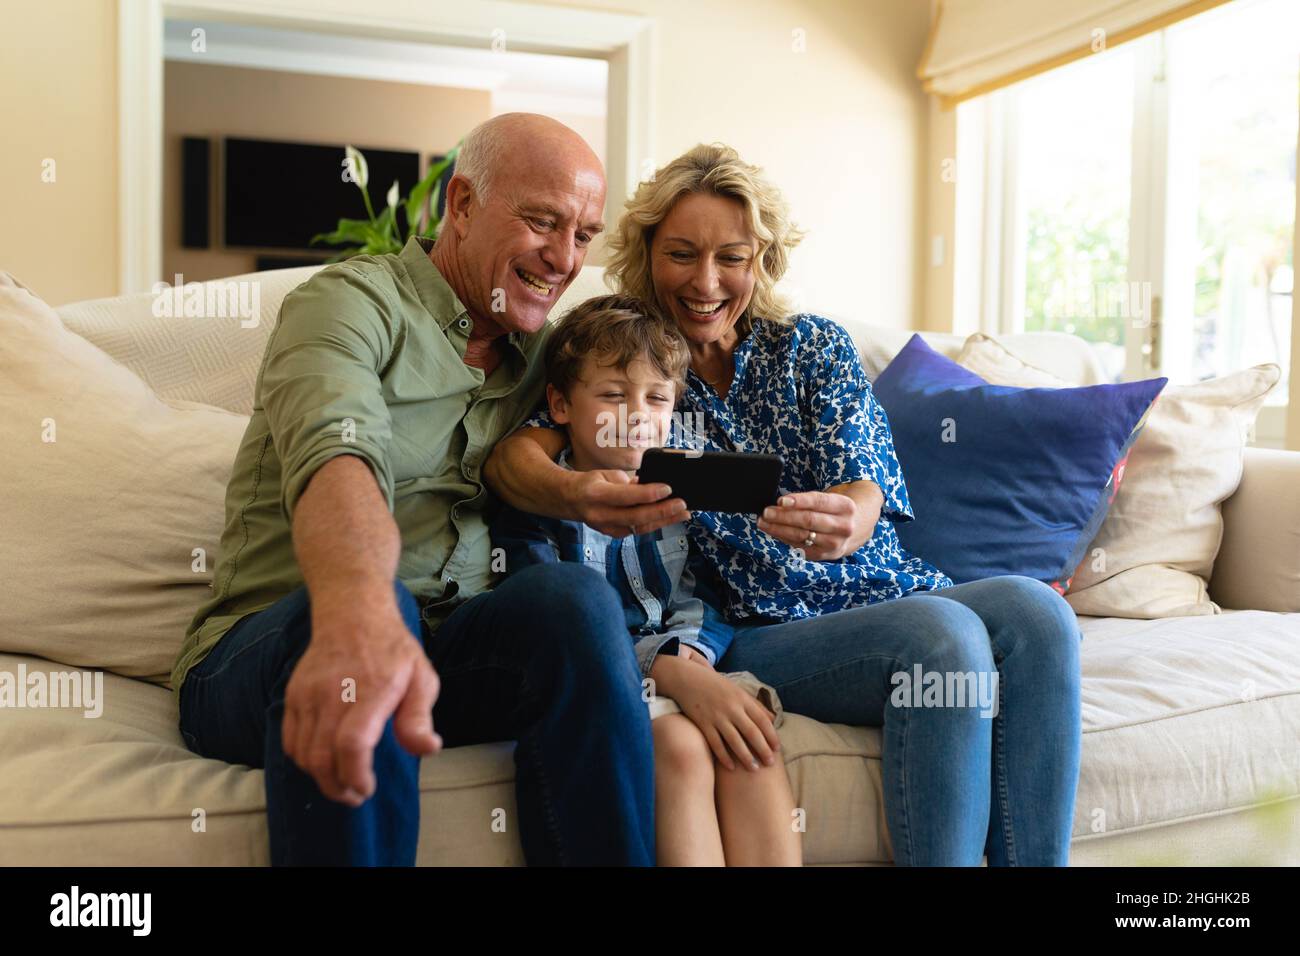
point(212, 359)
point(1155, 551)
point(996, 364)
point(108, 492)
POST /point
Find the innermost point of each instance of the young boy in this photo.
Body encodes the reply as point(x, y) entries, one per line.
point(614, 368)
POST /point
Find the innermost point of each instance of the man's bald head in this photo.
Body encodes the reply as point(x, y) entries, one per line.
point(526, 200)
point(517, 141)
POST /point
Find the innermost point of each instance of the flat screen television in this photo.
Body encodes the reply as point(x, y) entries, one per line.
point(278, 195)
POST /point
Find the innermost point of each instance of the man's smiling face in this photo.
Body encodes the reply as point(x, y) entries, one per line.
point(526, 245)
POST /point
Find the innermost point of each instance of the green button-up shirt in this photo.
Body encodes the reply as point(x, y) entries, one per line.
point(367, 359)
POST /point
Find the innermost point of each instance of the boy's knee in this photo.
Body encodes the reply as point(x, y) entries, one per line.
point(681, 750)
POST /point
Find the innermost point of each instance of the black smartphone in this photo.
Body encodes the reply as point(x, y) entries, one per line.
point(715, 480)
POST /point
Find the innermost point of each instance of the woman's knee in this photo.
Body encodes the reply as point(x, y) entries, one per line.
point(947, 635)
point(1038, 598)
point(1038, 610)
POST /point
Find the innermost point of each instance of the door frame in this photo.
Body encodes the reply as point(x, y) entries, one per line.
point(626, 41)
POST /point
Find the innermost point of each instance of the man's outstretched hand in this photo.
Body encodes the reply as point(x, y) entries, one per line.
point(360, 668)
point(615, 503)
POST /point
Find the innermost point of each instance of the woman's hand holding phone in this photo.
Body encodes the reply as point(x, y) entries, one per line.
point(840, 519)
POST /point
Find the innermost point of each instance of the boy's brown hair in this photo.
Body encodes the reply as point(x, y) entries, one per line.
point(616, 330)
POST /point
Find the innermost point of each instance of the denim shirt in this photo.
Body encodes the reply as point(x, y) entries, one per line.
point(663, 604)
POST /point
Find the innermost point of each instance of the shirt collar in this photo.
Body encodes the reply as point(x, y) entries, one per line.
point(435, 293)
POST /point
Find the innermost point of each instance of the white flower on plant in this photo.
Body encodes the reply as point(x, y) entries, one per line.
point(357, 166)
point(392, 195)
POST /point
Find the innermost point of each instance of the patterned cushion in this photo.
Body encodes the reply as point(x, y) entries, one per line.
point(212, 359)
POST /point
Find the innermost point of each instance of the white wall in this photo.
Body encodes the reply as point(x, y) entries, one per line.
point(58, 100)
point(841, 125)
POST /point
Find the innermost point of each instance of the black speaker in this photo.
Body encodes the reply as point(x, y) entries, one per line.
point(263, 263)
point(196, 175)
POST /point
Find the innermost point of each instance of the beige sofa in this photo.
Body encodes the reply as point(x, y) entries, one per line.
point(1179, 765)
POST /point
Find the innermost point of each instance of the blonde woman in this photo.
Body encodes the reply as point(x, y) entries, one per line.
point(827, 605)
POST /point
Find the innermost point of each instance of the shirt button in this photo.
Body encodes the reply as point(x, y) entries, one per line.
point(682, 542)
point(587, 552)
point(636, 582)
point(463, 323)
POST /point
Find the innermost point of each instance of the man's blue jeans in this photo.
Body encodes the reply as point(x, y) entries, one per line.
point(957, 783)
point(543, 659)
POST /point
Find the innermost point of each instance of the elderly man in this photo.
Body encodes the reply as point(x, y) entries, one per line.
point(353, 599)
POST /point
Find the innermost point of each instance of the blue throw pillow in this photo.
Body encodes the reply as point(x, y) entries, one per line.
point(1006, 480)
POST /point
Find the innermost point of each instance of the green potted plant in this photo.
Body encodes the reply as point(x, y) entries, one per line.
point(379, 234)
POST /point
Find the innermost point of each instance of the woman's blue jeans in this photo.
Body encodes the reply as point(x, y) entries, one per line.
point(543, 659)
point(960, 779)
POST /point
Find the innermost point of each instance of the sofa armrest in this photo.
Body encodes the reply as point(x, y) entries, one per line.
point(1258, 565)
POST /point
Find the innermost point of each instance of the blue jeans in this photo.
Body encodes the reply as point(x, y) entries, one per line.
point(544, 659)
point(957, 783)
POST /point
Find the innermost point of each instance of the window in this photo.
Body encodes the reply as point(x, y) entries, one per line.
point(1144, 199)
point(1230, 264)
point(1075, 181)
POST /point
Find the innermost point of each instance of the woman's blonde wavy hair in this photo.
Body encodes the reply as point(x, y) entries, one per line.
point(718, 170)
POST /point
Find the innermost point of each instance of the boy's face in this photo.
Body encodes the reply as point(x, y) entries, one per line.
point(613, 415)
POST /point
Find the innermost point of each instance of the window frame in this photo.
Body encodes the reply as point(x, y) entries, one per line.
point(989, 286)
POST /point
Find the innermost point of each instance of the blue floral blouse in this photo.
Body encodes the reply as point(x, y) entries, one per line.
point(799, 391)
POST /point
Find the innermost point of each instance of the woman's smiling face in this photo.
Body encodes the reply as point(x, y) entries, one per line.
point(701, 262)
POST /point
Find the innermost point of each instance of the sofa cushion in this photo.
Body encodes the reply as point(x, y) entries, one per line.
point(1258, 564)
point(997, 364)
point(123, 789)
point(1190, 717)
point(1184, 720)
point(1152, 556)
point(1067, 358)
point(214, 358)
point(1005, 480)
point(210, 358)
point(113, 501)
